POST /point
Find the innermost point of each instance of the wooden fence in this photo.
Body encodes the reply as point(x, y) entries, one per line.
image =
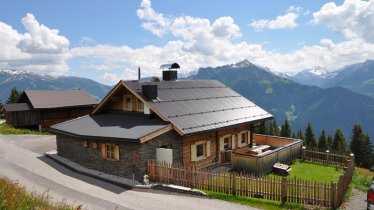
point(327, 158)
point(283, 189)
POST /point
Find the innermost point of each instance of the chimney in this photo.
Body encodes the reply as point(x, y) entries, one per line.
point(149, 91)
point(138, 73)
point(169, 72)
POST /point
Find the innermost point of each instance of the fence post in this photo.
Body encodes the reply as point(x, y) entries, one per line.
point(284, 189)
point(233, 179)
point(333, 195)
point(303, 153)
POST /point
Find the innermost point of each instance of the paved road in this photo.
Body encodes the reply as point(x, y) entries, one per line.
point(21, 159)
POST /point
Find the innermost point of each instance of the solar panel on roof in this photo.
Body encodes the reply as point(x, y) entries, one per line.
point(199, 105)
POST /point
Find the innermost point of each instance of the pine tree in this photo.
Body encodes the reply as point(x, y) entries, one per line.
point(273, 128)
point(300, 135)
point(322, 141)
point(13, 96)
point(338, 143)
point(310, 139)
point(262, 129)
point(293, 135)
point(357, 144)
point(368, 152)
point(329, 141)
point(285, 129)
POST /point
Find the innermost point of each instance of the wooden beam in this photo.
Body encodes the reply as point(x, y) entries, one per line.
point(145, 102)
point(156, 133)
point(107, 97)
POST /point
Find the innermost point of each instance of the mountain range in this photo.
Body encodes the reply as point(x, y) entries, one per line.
point(24, 80)
point(357, 77)
point(325, 108)
point(301, 98)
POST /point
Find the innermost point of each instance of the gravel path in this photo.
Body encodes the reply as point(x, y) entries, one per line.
point(357, 200)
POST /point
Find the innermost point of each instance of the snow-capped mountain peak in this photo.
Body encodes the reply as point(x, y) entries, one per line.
point(318, 71)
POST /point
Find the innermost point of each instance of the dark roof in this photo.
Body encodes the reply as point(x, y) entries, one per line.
point(116, 126)
point(16, 107)
point(200, 105)
point(44, 99)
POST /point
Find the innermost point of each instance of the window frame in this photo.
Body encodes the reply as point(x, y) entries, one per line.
point(228, 142)
point(109, 151)
point(139, 107)
point(243, 140)
point(203, 153)
point(128, 105)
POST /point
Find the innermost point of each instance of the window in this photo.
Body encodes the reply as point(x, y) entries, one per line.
point(85, 144)
point(128, 103)
point(226, 143)
point(94, 145)
point(110, 151)
point(140, 105)
point(243, 138)
point(199, 150)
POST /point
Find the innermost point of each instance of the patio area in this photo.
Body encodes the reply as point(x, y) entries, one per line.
point(266, 151)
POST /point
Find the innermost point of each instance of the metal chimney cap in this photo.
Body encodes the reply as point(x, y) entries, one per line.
point(170, 66)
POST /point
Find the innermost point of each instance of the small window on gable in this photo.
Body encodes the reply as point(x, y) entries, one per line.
point(128, 103)
point(140, 106)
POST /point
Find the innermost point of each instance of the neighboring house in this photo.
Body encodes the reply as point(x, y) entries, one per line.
point(190, 122)
point(43, 108)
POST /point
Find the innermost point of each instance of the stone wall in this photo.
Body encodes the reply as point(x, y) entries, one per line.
point(72, 148)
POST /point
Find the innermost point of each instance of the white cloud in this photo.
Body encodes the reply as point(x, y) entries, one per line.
point(200, 43)
point(40, 49)
point(354, 19)
point(295, 9)
point(286, 21)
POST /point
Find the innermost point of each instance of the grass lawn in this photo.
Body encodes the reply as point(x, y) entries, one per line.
point(255, 202)
point(15, 196)
point(313, 171)
point(8, 130)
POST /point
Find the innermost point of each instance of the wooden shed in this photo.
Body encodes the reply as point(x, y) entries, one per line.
point(43, 108)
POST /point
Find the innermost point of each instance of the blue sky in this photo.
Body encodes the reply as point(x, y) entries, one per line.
point(107, 40)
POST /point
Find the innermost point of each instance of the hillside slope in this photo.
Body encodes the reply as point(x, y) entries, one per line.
point(329, 108)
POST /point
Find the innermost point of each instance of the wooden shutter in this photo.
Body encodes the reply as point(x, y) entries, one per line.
point(116, 152)
point(208, 148)
point(248, 136)
point(103, 151)
point(233, 146)
point(193, 153)
point(221, 144)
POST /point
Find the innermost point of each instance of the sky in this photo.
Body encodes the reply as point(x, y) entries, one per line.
point(108, 40)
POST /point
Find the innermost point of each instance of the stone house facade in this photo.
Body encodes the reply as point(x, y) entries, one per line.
point(189, 122)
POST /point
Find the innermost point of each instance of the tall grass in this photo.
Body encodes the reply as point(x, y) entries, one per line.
point(362, 179)
point(15, 196)
point(9, 130)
